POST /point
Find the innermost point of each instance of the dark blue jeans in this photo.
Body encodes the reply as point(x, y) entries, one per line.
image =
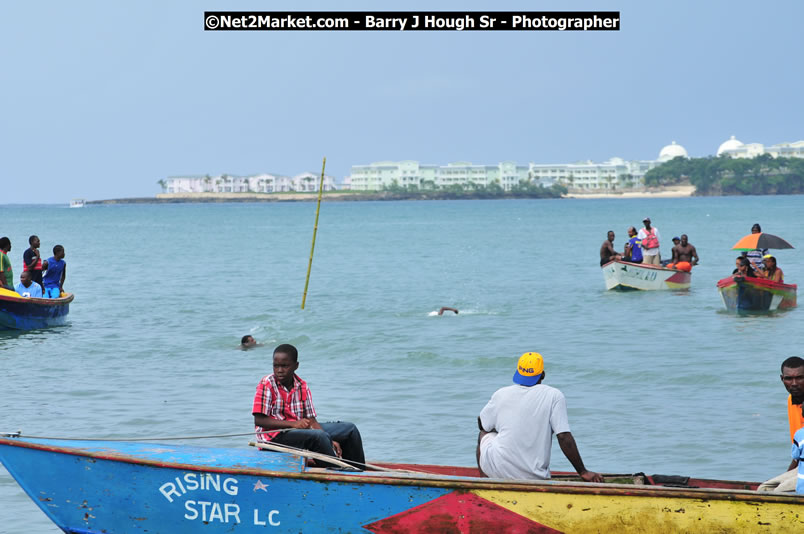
point(316, 440)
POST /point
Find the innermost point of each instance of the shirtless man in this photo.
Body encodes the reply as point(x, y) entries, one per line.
point(607, 252)
point(685, 251)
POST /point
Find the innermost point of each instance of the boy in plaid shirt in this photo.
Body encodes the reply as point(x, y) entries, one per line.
point(283, 401)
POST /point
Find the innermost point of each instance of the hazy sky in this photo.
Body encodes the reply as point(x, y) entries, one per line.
point(102, 99)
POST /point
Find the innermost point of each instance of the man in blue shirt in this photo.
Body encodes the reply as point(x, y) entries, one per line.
point(27, 288)
point(56, 273)
point(633, 250)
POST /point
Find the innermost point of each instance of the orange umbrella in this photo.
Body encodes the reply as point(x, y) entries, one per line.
point(760, 240)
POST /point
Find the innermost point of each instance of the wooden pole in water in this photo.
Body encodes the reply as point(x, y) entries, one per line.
point(315, 231)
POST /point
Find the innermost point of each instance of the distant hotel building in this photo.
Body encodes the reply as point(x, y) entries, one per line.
point(613, 174)
point(736, 149)
point(260, 183)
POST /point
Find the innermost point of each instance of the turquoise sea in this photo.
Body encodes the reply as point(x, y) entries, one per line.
point(660, 382)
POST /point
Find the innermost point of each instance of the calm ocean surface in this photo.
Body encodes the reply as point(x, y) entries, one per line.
point(662, 382)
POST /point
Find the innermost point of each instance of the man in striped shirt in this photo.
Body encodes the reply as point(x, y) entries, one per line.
point(283, 401)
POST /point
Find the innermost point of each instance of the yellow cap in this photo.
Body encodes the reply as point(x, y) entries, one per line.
point(529, 369)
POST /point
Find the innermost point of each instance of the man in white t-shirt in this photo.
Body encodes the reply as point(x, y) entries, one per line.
point(649, 238)
point(517, 427)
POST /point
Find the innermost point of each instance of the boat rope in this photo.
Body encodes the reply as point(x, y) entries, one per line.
point(305, 453)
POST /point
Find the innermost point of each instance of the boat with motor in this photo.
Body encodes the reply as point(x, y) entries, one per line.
point(26, 313)
point(756, 294)
point(94, 486)
point(78, 203)
point(624, 275)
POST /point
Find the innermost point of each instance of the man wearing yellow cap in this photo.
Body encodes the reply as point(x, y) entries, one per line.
point(517, 427)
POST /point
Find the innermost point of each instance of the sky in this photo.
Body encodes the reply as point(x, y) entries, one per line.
point(103, 99)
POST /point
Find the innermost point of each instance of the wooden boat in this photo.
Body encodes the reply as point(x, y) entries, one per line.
point(626, 275)
point(756, 294)
point(125, 487)
point(23, 313)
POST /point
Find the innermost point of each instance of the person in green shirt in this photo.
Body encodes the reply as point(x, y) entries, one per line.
point(6, 273)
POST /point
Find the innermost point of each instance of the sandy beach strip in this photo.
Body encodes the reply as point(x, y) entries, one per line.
point(679, 191)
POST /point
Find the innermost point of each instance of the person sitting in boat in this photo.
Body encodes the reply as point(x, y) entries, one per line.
point(517, 427)
point(793, 380)
point(27, 287)
point(771, 271)
point(607, 252)
point(683, 255)
point(54, 277)
point(283, 402)
point(743, 269)
point(6, 272)
point(756, 256)
point(798, 456)
point(633, 250)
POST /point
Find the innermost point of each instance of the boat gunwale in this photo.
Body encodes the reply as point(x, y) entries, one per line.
point(430, 480)
point(61, 301)
point(729, 281)
point(647, 266)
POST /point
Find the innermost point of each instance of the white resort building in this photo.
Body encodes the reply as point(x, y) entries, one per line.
point(259, 183)
point(614, 174)
point(735, 148)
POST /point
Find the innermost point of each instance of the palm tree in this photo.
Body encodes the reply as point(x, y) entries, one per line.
point(162, 184)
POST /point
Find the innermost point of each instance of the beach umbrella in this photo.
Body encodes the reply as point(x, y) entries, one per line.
point(761, 240)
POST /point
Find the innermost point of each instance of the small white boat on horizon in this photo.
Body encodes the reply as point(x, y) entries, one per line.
point(77, 203)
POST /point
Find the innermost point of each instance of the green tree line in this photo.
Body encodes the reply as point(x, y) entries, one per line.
point(762, 175)
point(431, 190)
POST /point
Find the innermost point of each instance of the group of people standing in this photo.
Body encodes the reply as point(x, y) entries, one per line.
point(39, 278)
point(643, 247)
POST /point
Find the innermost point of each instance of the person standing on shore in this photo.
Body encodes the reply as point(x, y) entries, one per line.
point(6, 273)
point(649, 236)
point(793, 380)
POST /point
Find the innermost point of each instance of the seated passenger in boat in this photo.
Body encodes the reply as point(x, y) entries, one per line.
point(517, 427)
point(607, 252)
point(771, 271)
point(684, 251)
point(633, 250)
point(743, 269)
point(283, 402)
point(27, 288)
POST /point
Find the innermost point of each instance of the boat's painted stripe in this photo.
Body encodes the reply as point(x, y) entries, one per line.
point(603, 513)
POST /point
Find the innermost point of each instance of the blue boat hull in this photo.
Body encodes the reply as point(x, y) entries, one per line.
point(31, 314)
point(88, 487)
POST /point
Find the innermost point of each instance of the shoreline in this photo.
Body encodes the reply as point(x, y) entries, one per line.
point(680, 191)
point(178, 198)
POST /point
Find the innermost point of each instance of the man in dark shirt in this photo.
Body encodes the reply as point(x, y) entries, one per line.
point(32, 261)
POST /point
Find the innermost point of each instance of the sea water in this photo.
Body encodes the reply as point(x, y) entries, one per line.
point(661, 382)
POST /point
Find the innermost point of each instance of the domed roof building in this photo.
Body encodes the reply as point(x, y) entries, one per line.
point(730, 144)
point(671, 151)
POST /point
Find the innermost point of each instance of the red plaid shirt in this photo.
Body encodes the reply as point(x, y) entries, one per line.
point(275, 401)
